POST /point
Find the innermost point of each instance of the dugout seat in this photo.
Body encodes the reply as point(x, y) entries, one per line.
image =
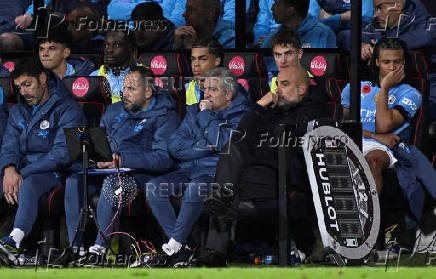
point(251, 70)
point(170, 69)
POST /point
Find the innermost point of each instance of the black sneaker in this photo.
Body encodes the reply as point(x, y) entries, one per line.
point(210, 258)
point(8, 251)
point(178, 260)
point(182, 258)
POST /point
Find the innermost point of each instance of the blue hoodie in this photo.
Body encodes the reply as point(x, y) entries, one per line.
point(202, 135)
point(335, 8)
point(412, 29)
point(35, 141)
point(141, 138)
point(313, 34)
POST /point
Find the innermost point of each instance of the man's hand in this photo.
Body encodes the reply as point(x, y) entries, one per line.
point(387, 139)
point(259, 43)
point(205, 104)
point(268, 99)
point(367, 50)
point(323, 14)
point(184, 36)
point(393, 78)
point(346, 16)
point(110, 165)
point(12, 181)
point(23, 21)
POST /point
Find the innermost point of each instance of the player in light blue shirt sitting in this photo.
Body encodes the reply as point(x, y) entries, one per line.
point(387, 105)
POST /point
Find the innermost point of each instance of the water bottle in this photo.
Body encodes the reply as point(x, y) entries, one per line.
point(270, 259)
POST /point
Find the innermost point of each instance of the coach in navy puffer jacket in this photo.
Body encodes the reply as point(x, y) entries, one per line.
point(34, 149)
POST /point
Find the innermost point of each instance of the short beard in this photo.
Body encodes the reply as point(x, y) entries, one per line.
point(133, 107)
point(288, 106)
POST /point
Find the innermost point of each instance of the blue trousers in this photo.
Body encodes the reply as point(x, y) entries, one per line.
point(32, 188)
point(105, 211)
point(178, 183)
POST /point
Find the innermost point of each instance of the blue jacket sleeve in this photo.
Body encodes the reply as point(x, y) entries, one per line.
point(334, 22)
point(183, 144)
point(10, 149)
point(158, 160)
point(176, 13)
point(30, 9)
point(216, 130)
point(58, 157)
point(314, 8)
point(229, 10)
point(264, 18)
point(168, 7)
point(367, 12)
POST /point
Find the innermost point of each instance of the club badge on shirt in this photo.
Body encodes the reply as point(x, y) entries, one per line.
point(44, 125)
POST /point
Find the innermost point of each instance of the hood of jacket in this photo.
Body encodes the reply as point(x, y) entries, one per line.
point(82, 66)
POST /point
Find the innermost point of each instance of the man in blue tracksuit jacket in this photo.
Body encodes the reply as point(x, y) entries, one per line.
point(34, 149)
point(312, 32)
point(138, 129)
point(197, 143)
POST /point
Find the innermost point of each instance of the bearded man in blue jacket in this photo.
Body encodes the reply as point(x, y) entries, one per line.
point(198, 141)
point(137, 128)
point(34, 151)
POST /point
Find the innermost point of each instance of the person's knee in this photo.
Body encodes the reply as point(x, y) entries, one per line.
point(72, 187)
point(377, 162)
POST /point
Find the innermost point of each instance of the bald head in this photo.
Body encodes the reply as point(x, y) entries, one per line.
point(10, 42)
point(292, 84)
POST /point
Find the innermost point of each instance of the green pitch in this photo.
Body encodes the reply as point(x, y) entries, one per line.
point(224, 273)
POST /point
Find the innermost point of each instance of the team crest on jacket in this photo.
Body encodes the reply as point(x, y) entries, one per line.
point(44, 125)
